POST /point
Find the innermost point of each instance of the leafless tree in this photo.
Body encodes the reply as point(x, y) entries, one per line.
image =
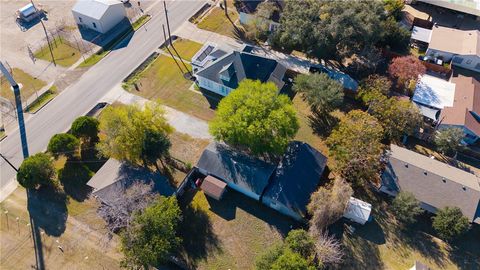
point(327, 205)
point(118, 212)
point(328, 249)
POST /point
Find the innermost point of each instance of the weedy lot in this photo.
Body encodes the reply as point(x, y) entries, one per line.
point(29, 85)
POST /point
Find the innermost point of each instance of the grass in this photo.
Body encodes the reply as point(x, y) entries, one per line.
point(186, 48)
point(217, 22)
point(163, 80)
point(29, 85)
point(2, 134)
point(65, 54)
point(140, 21)
point(229, 234)
point(94, 58)
point(42, 100)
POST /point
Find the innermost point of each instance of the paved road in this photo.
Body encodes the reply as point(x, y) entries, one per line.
point(80, 97)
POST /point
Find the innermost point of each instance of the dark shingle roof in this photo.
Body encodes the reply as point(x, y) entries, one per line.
point(297, 176)
point(245, 66)
point(232, 166)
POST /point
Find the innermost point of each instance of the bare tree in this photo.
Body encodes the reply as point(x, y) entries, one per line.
point(118, 212)
point(328, 249)
point(327, 205)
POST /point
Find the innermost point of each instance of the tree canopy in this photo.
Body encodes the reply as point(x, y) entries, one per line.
point(355, 146)
point(64, 144)
point(320, 91)
point(448, 140)
point(406, 207)
point(36, 170)
point(125, 128)
point(405, 70)
point(155, 146)
point(86, 128)
point(450, 223)
point(255, 117)
point(152, 234)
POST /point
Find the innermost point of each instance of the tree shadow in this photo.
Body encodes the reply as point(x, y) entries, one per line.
point(74, 177)
point(465, 251)
point(48, 209)
point(92, 158)
point(322, 123)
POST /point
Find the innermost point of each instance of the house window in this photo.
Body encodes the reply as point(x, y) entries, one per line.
point(457, 60)
point(94, 25)
point(80, 19)
point(469, 61)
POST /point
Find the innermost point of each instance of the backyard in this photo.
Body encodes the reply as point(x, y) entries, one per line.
point(29, 85)
point(65, 54)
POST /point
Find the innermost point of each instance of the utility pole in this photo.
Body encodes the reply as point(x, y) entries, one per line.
point(225, 7)
point(46, 34)
point(168, 24)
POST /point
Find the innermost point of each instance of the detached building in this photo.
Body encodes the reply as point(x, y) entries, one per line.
point(98, 15)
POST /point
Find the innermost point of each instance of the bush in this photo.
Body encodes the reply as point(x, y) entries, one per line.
point(406, 207)
point(64, 144)
point(450, 223)
point(36, 170)
point(85, 128)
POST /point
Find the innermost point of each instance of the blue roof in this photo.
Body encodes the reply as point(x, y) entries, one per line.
point(297, 176)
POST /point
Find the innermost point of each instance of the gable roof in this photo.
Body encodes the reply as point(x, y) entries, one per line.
point(296, 177)
point(245, 66)
point(466, 103)
point(455, 41)
point(234, 167)
point(433, 182)
point(94, 8)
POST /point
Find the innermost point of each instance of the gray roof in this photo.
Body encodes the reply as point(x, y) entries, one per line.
point(244, 66)
point(235, 167)
point(297, 176)
point(433, 182)
point(94, 8)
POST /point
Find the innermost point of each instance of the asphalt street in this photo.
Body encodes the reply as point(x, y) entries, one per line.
point(84, 94)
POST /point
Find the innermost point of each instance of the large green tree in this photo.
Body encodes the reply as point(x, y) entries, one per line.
point(64, 144)
point(321, 92)
point(86, 129)
point(151, 237)
point(406, 207)
point(355, 146)
point(450, 223)
point(449, 140)
point(36, 170)
point(156, 146)
point(255, 117)
point(125, 129)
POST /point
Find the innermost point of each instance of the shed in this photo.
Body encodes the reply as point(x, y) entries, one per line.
point(358, 211)
point(421, 34)
point(213, 187)
point(98, 15)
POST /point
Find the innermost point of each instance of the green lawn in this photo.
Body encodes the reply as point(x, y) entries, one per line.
point(163, 80)
point(65, 54)
point(186, 48)
point(140, 21)
point(94, 58)
point(217, 22)
point(42, 100)
point(29, 85)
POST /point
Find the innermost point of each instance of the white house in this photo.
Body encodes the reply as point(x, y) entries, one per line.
point(432, 95)
point(358, 211)
point(98, 15)
point(459, 46)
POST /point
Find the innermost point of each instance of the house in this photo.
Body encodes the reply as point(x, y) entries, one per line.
point(468, 7)
point(464, 113)
point(296, 177)
point(222, 75)
point(435, 184)
point(98, 15)
point(432, 95)
point(285, 187)
point(421, 36)
point(247, 13)
point(459, 46)
point(358, 211)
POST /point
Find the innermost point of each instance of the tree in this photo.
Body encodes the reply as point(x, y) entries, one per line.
point(394, 8)
point(450, 223)
point(155, 146)
point(86, 129)
point(290, 260)
point(152, 235)
point(64, 144)
point(395, 36)
point(406, 207)
point(256, 118)
point(301, 242)
point(36, 170)
point(405, 70)
point(449, 140)
point(326, 29)
point(260, 25)
point(118, 211)
point(322, 93)
point(355, 146)
point(328, 249)
point(374, 88)
point(328, 205)
point(125, 128)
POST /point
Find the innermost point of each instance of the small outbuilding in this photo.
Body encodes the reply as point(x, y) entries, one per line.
point(213, 187)
point(358, 211)
point(98, 15)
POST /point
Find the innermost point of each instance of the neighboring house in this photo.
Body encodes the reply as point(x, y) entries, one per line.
point(358, 211)
point(466, 6)
point(459, 46)
point(222, 75)
point(435, 184)
point(98, 15)
point(285, 187)
point(247, 13)
point(465, 110)
point(432, 95)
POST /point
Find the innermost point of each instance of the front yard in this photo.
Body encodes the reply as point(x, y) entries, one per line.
point(29, 85)
point(217, 22)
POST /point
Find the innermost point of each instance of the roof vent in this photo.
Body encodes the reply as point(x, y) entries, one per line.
point(444, 180)
point(425, 172)
point(406, 165)
point(464, 188)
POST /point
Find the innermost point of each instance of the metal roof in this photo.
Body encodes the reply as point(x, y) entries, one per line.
point(421, 34)
point(94, 8)
point(434, 92)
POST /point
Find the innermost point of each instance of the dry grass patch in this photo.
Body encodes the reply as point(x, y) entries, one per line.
point(217, 22)
point(29, 85)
